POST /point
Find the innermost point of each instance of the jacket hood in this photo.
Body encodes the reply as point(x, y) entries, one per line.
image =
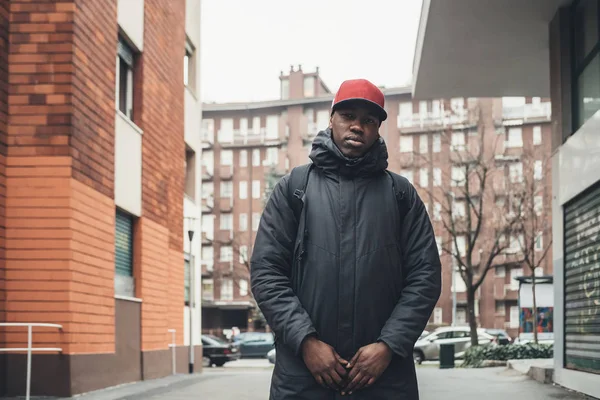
point(328, 157)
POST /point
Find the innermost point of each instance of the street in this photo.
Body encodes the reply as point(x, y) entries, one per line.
point(249, 380)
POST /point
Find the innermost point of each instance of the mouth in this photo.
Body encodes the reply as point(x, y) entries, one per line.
point(354, 141)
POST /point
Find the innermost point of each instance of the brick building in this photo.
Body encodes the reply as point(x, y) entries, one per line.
point(247, 146)
point(99, 125)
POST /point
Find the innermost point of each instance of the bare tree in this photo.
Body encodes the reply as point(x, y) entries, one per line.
point(468, 212)
point(532, 223)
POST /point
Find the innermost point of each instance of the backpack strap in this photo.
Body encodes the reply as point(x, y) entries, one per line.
point(297, 187)
point(399, 187)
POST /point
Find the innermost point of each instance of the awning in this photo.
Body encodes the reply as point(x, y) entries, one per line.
point(483, 48)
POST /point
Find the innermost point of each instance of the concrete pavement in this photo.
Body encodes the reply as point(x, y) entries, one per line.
point(250, 379)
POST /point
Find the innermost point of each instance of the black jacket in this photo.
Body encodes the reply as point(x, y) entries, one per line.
point(362, 278)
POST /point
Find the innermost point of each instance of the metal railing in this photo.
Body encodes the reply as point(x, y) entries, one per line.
point(29, 349)
point(173, 347)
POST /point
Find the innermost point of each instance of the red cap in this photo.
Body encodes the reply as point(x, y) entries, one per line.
point(360, 89)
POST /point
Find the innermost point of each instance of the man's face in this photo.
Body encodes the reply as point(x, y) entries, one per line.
point(355, 129)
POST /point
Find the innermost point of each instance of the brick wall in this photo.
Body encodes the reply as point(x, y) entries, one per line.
point(93, 93)
point(163, 146)
point(3, 126)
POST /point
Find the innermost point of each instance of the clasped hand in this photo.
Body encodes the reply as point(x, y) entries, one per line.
point(332, 371)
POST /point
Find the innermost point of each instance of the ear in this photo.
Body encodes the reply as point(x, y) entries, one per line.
point(331, 121)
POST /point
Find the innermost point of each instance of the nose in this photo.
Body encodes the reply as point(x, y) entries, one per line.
point(356, 126)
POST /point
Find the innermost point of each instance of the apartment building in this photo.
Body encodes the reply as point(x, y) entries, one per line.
point(99, 127)
point(247, 146)
point(541, 48)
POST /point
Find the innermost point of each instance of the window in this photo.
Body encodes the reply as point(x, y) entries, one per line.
point(227, 189)
point(309, 86)
point(189, 66)
point(516, 242)
point(272, 156)
point(208, 162)
point(226, 130)
point(515, 172)
point(424, 177)
point(406, 144)
point(256, 157)
point(500, 307)
point(437, 315)
point(459, 283)
point(500, 272)
point(124, 283)
point(437, 211)
point(423, 109)
point(515, 137)
point(423, 144)
point(243, 287)
point(272, 128)
point(226, 289)
point(243, 254)
point(243, 158)
point(226, 157)
point(538, 204)
point(587, 62)
point(514, 274)
point(226, 254)
point(255, 221)
point(457, 104)
point(513, 101)
point(408, 174)
point(458, 141)
point(243, 126)
point(537, 170)
point(285, 89)
point(208, 289)
point(256, 189)
point(437, 177)
point(514, 317)
point(124, 79)
point(536, 101)
point(323, 117)
point(461, 316)
point(190, 173)
point(460, 246)
point(226, 222)
point(405, 111)
point(437, 143)
point(438, 241)
point(243, 222)
point(243, 190)
point(537, 135)
point(208, 257)
point(539, 241)
point(458, 176)
point(256, 125)
point(458, 209)
point(208, 226)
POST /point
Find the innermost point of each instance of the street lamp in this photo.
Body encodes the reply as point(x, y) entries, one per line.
point(192, 295)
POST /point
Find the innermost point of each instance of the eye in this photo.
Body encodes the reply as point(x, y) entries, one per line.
point(348, 115)
point(369, 121)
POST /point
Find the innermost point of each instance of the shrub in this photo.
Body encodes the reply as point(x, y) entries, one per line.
point(475, 356)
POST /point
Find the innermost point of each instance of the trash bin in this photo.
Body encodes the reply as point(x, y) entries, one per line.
point(446, 356)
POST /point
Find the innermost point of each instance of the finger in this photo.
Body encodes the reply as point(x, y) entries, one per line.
point(352, 386)
point(361, 384)
point(354, 359)
point(337, 379)
point(341, 360)
point(328, 381)
point(341, 370)
point(320, 380)
point(371, 382)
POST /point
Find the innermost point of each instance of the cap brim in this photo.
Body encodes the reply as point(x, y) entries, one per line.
point(377, 109)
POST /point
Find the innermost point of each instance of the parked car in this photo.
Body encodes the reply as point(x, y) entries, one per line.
point(428, 347)
point(218, 351)
point(254, 344)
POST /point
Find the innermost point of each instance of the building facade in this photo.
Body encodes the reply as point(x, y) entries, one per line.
point(248, 146)
point(539, 48)
point(99, 126)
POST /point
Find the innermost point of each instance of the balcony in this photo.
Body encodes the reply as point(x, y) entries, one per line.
point(207, 138)
point(527, 113)
point(249, 138)
point(431, 122)
point(207, 173)
point(225, 204)
point(224, 236)
point(207, 238)
point(226, 172)
point(208, 204)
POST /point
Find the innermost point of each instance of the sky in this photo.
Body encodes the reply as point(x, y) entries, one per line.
point(245, 44)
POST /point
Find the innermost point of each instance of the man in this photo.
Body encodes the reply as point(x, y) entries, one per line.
point(349, 284)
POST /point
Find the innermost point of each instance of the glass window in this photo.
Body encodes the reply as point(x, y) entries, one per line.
point(226, 189)
point(423, 144)
point(227, 289)
point(256, 189)
point(272, 156)
point(285, 89)
point(458, 141)
point(537, 135)
point(516, 172)
point(243, 222)
point(424, 177)
point(226, 253)
point(124, 79)
point(437, 315)
point(255, 221)
point(539, 242)
point(537, 170)
point(585, 29)
point(406, 144)
point(226, 222)
point(588, 92)
point(226, 157)
point(243, 254)
point(309, 86)
point(208, 289)
point(437, 211)
point(243, 288)
point(256, 125)
point(256, 157)
point(226, 130)
point(515, 137)
point(459, 175)
point(458, 209)
point(243, 126)
point(437, 177)
point(243, 190)
point(438, 241)
point(437, 143)
point(243, 158)
point(408, 174)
